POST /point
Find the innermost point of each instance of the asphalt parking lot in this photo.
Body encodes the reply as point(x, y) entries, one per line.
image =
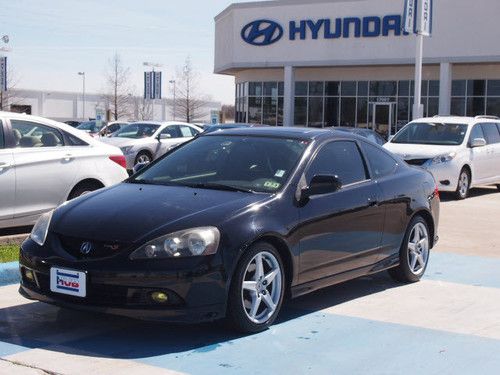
point(447, 324)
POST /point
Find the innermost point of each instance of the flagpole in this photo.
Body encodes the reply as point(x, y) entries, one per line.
point(418, 108)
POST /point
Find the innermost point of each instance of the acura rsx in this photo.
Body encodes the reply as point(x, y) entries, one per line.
point(231, 223)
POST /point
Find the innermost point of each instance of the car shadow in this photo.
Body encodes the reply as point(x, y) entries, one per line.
point(37, 325)
point(474, 193)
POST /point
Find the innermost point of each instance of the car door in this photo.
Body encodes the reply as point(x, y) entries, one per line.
point(45, 168)
point(7, 179)
point(340, 231)
point(479, 155)
point(492, 135)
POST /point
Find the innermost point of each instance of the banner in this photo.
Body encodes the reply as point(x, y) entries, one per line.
point(424, 19)
point(152, 85)
point(409, 16)
point(3, 73)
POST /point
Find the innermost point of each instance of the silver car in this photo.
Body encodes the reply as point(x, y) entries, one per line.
point(143, 142)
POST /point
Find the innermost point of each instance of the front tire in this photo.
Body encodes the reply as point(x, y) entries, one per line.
point(414, 253)
point(143, 157)
point(256, 293)
point(84, 188)
point(463, 187)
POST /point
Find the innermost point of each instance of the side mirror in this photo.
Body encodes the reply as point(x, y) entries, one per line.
point(478, 142)
point(138, 167)
point(322, 184)
point(163, 136)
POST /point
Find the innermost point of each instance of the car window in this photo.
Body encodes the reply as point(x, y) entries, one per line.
point(29, 134)
point(2, 138)
point(476, 132)
point(431, 133)
point(186, 131)
point(112, 128)
point(491, 133)
point(173, 131)
point(75, 141)
point(137, 131)
point(380, 162)
point(340, 158)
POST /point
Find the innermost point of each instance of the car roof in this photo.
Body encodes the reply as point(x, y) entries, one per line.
point(459, 119)
point(285, 132)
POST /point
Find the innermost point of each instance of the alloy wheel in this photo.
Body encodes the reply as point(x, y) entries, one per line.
point(463, 184)
point(143, 159)
point(261, 287)
point(418, 249)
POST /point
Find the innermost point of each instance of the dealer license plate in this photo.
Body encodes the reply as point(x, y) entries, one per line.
point(68, 282)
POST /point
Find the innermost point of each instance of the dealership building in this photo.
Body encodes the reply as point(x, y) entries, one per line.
point(348, 62)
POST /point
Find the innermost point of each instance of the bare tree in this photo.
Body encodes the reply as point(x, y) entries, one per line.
point(145, 110)
point(11, 96)
point(118, 88)
point(228, 112)
point(189, 101)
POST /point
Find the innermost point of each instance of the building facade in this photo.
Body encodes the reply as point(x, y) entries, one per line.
point(64, 106)
point(348, 63)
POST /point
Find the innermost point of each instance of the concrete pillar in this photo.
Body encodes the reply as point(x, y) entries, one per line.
point(164, 110)
point(289, 97)
point(445, 79)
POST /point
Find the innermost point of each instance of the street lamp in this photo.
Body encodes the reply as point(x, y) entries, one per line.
point(173, 83)
point(83, 102)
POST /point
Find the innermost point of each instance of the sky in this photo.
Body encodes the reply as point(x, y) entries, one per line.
point(52, 40)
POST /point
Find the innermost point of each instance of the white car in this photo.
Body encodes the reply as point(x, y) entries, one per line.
point(44, 163)
point(143, 142)
point(461, 152)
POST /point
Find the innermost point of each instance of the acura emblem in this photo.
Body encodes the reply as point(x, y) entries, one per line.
point(86, 248)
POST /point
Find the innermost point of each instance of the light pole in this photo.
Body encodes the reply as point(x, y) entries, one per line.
point(83, 101)
point(173, 83)
point(3, 86)
point(153, 66)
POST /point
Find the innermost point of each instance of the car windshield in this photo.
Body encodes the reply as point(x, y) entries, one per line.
point(137, 131)
point(215, 128)
point(240, 163)
point(431, 133)
point(90, 126)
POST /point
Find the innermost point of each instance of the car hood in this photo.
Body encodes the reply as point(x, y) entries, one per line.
point(131, 213)
point(410, 151)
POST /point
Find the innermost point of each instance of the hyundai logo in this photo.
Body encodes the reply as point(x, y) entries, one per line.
point(262, 32)
point(86, 248)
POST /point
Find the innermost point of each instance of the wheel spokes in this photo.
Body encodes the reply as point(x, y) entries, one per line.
point(269, 302)
point(269, 278)
point(250, 285)
point(256, 300)
point(259, 267)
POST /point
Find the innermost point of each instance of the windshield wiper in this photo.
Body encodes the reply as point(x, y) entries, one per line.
point(215, 186)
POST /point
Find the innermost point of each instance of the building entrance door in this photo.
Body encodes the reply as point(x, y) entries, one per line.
point(383, 119)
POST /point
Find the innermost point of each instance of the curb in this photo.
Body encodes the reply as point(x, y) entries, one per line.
point(9, 273)
point(13, 240)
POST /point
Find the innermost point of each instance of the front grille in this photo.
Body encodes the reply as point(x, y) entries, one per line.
point(418, 162)
point(97, 250)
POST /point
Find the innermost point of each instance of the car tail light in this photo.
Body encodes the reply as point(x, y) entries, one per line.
point(436, 192)
point(119, 159)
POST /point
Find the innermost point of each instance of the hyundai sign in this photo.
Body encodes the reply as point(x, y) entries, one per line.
point(266, 32)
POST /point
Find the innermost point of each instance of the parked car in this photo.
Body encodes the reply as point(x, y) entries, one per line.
point(93, 128)
point(111, 128)
point(44, 163)
point(367, 133)
point(143, 142)
point(461, 152)
point(73, 124)
point(218, 127)
point(228, 224)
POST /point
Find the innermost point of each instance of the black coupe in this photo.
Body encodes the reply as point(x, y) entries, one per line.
point(229, 224)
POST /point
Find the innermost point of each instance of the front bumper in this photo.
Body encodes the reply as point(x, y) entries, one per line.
point(196, 290)
point(446, 175)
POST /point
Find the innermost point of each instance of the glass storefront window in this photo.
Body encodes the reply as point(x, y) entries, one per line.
point(458, 88)
point(255, 89)
point(281, 88)
point(433, 107)
point(493, 107)
point(316, 88)
point(255, 110)
point(280, 112)
point(458, 106)
point(348, 88)
point(383, 88)
point(332, 88)
point(476, 88)
point(315, 118)
point(404, 88)
point(403, 111)
point(363, 88)
point(300, 112)
point(434, 88)
point(494, 87)
point(271, 89)
point(362, 116)
point(300, 88)
point(332, 111)
point(270, 108)
point(348, 112)
point(475, 106)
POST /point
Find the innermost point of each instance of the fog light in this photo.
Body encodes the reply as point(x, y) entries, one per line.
point(159, 297)
point(29, 275)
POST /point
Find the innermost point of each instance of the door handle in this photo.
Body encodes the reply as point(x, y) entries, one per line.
point(68, 157)
point(372, 202)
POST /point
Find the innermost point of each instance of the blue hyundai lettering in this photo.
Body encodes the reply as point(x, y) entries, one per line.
point(262, 32)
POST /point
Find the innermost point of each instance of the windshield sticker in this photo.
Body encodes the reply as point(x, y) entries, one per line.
point(280, 173)
point(271, 185)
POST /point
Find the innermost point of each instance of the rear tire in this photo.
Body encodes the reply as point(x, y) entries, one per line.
point(143, 157)
point(414, 253)
point(463, 186)
point(84, 188)
point(257, 290)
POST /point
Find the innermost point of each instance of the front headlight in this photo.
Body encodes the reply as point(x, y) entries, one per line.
point(185, 243)
point(443, 158)
point(41, 228)
point(126, 149)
